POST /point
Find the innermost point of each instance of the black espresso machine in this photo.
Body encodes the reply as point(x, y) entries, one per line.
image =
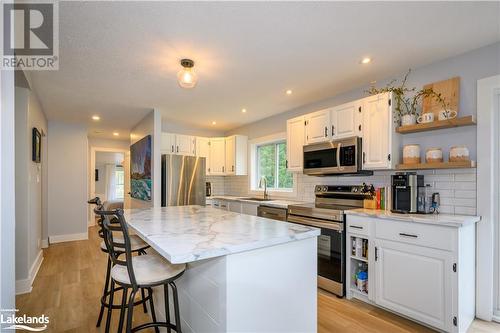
point(405, 192)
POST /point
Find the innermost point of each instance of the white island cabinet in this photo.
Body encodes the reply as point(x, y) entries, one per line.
point(244, 273)
point(420, 266)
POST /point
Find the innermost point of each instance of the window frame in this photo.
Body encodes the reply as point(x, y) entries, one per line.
point(254, 171)
point(119, 169)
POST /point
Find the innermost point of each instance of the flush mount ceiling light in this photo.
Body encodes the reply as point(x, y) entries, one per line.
point(365, 61)
point(288, 92)
point(96, 117)
point(186, 77)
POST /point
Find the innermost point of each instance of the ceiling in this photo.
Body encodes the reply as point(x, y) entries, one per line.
point(119, 59)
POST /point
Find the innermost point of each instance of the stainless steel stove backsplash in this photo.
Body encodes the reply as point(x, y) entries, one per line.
point(457, 187)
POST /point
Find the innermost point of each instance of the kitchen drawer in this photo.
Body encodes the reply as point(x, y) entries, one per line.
point(433, 236)
point(359, 225)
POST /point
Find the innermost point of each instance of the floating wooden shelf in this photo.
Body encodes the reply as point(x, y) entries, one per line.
point(439, 124)
point(438, 165)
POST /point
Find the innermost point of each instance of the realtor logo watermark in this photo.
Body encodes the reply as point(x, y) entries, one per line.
point(9, 321)
point(30, 35)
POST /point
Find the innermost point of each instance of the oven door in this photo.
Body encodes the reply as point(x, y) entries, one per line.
point(331, 252)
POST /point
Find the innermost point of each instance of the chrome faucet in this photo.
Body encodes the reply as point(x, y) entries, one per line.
point(264, 180)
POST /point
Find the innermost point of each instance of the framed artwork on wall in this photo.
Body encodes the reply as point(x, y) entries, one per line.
point(36, 142)
point(140, 169)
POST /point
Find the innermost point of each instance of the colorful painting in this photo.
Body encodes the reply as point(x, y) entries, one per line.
point(140, 169)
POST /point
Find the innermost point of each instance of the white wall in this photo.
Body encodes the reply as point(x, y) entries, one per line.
point(7, 200)
point(67, 182)
point(150, 125)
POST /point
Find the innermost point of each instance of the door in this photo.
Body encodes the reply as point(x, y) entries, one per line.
point(318, 126)
point(230, 155)
point(415, 281)
point(376, 138)
point(295, 135)
point(203, 150)
point(184, 145)
point(346, 120)
point(217, 156)
point(168, 143)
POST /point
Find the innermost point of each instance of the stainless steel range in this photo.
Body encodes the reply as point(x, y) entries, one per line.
point(327, 213)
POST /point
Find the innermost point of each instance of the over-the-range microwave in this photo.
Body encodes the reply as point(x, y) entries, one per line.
point(334, 157)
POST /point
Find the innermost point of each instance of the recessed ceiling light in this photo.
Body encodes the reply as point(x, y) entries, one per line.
point(214, 122)
point(96, 117)
point(244, 110)
point(116, 133)
point(366, 60)
point(288, 92)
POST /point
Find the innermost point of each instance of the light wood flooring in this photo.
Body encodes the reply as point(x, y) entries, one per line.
point(69, 285)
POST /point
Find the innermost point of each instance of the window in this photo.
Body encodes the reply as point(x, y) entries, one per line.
point(119, 183)
point(271, 164)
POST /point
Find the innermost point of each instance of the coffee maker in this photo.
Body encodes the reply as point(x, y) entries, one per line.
point(405, 191)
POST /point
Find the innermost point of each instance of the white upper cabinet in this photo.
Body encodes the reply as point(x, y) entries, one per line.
point(236, 155)
point(203, 150)
point(168, 143)
point(346, 120)
point(318, 126)
point(177, 144)
point(295, 140)
point(380, 141)
point(217, 156)
point(185, 144)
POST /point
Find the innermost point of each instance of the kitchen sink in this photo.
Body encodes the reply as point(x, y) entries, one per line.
point(256, 199)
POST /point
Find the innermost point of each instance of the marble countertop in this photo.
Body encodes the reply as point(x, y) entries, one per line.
point(277, 203)
point(436, 219)
point(185, 234)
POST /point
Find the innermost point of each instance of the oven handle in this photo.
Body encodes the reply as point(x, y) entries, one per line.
point(316, 223)
point(338, 156)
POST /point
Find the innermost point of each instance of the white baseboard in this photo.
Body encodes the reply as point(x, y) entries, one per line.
point(44, 243)
point(25, 285)
point(90, 223)
point(68, 238)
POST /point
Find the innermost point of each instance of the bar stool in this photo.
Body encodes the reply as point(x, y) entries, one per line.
point(137, 272)
point(137, 246)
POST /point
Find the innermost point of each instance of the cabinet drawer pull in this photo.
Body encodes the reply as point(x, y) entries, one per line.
point(356, 227)
point(326, 131)
point(402, 234)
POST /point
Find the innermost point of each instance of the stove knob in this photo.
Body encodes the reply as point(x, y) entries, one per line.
point(325, 189)
point(355, 189)
point(318, 188)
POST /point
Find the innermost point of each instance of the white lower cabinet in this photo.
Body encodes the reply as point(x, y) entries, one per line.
point(415, 281)
point(422, 271)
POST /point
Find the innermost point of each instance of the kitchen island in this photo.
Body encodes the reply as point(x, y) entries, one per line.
point(244, 273)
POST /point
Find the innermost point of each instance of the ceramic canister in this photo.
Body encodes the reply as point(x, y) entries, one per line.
point(411, 154)
point(433, 155)
point(459, 153)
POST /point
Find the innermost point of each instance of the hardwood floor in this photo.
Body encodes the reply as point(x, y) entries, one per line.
point(69, 285)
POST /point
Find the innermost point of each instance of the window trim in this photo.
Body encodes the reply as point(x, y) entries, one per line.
point(253, 171)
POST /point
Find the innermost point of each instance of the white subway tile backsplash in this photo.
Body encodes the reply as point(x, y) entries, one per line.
point(457, 187)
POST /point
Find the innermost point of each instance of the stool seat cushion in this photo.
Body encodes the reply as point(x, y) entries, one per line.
point(136, 243)
point(150, 269)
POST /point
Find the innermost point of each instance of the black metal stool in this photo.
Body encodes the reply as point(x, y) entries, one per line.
point(136, 272)
point(137, 246)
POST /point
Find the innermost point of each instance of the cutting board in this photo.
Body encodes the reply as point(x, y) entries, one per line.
point(450, 92)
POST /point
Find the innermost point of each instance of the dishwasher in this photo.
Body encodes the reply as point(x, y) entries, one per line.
point(279, 214)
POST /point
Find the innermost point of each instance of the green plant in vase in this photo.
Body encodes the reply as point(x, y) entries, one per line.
point(407, 100)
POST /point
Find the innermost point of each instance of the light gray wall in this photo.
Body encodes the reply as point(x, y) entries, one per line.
point(470, 66)
point(67, 183)
point(7, 184)
point(150, 125)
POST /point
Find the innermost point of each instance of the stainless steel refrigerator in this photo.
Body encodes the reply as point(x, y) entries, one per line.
point(182, 180)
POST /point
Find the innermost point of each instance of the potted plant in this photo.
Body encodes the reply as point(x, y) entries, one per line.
point(406, 107)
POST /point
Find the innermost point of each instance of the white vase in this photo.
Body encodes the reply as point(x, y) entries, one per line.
point(408, 119)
